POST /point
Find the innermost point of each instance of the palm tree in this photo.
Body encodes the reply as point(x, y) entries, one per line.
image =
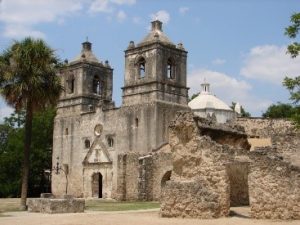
point(28, 81)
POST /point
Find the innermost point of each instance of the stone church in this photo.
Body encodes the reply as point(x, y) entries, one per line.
point(102, 149)
point(154, 147)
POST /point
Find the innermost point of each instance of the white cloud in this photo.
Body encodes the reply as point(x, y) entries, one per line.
point(161, 15)
point(270, 63)
point(108, 6)
point(228, 89)
point(20, 16)
point(121, 16)
point(17, 30)
point(122, 2)
point(100, 6)
point(183, 10)
point(218, 61)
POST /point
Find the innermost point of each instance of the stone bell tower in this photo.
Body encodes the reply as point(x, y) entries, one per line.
point(87, 82)
point(155, 70)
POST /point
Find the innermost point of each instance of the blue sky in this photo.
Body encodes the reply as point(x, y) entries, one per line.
point(239, 46)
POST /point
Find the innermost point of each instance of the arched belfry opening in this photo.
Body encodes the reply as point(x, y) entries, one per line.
point(170, 69)
point(71, 84)
point(97, 185)
point(141, 67)
point(97, 85)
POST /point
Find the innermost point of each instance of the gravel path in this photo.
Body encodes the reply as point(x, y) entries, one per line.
point(144, 217)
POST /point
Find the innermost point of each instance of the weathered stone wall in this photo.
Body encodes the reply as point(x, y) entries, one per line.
point(210, 173)
point(127, 187)
point(285, 138)
point(274, 187)
point(200, 185)
point(238, 177)
point(162, 168)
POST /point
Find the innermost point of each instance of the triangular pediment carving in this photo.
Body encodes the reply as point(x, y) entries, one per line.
point(97, 154)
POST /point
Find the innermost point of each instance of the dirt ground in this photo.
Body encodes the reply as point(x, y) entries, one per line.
point(145, 217)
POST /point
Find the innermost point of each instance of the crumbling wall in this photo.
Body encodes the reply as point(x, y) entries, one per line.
point(238, 177)
point(199, 186)
point(274, 187)
point(285, 138)
point(209, 173)
point(162, 169)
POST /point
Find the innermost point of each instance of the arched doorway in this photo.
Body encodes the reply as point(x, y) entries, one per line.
point(165, 178)
point(97, 183)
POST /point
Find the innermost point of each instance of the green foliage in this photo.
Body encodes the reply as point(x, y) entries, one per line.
point(279, 110)
point(293, 84)
point(11, 149)
point(244, 113)
point(292, 31)
point(28, 72)
point(194, 96)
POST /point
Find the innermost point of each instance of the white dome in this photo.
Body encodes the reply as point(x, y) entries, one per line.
point(206, 100)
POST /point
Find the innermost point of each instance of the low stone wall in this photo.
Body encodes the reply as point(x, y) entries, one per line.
point(274, 187)
point(53, 205)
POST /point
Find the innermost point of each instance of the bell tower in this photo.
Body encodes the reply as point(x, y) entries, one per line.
point(155, 70)
point(87, 82)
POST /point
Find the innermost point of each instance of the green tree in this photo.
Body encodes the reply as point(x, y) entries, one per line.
point(28, 82)
point(11, 147)
point(279, 110)
point(244, 113)
point(293, 84)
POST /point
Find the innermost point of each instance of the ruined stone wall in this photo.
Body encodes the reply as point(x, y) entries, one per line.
point(274, 187)
point(239, 189)
point(213, 168)
point(162, 168)
point(285, 138)
point(199, 186)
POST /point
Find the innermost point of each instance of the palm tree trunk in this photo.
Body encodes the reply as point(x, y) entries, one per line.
point(27, 143)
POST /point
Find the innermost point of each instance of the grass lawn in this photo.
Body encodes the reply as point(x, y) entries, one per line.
point(100, 205)
point(12, 204)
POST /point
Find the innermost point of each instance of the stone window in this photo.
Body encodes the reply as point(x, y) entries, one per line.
point(170, 69)
point(110, 141)
point(87, 143)
point(136, 122)
point(70, 84)
point(97, 85)
point(66, 131)
point(142, 67)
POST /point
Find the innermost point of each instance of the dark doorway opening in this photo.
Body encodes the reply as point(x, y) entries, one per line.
point(100, 186)
point(97, 185)
point(238, 177)
point(165, 178)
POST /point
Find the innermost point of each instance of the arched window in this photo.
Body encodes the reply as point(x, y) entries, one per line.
point(110, 141)
point(142, 67)
point(87, 143)
point(97, 85)
point(70, 84)
point(170, 69)
point(165, 178)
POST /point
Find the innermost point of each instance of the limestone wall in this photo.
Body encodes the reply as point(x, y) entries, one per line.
point(274, 187)
point(285, 138)
point(199, 186)
point(214, 168)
